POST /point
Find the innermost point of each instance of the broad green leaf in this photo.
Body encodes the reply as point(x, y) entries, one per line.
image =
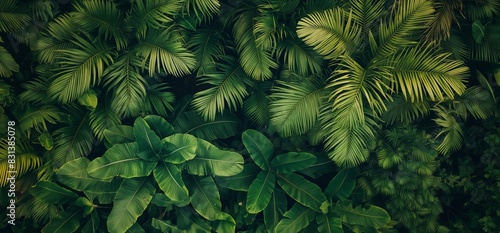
point(136, 228)
point(302, 190)
point(205, 197)
point(104, 192)
point(292, 161)
point(373, 216)
point(329, 224)
point(169, 178)
point(240, 181)
point(46, 141)
point(225, 125)
point(273, 213)
point(225, 223)
point(179, 148)
point(162, 200)
point(92, 223)
point(260, 192)
point(210, 160)
point(52, 193)
point(188, 220)
point(68, 222)
point(87, 205)
point(342, 184)
point(130, 202)
point(74, 174)
point(159, 125)
point(259, 147)
point(148, 142)
point(322, 166)
point(478, 31)
point(164, 226)
point(297, 218)
point(119, 134)
point(120, 160)
point(88, 99)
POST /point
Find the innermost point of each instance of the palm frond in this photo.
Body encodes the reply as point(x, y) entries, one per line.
point(256, 107)
point(102, 118)
point(312, 6)
point(440, 26)
point(410, 16)
point(57, 38)
point(299, 57)
point(367, 12)
point(126, 83)
point(7, 63)
point(25, 159)
point(164, 52)
point(456, 46)
point(202, 9)
point(35, 91)
point(228, 87)
point(489, 49)
point(421, 72)
point(451, 129)
point(256, 62)
point(81, 68)
point(104, 16)
point(37, 209)
point(294, 106)
point(153, 14)
point(401, 110)
point(265, 30)
point(224, 125)
point(331, 33)
point(36, 117)
point(207, 46)
point(477, 101)
point(159, 99)
point(485, 9)
point(41, 10)
point(12, 16)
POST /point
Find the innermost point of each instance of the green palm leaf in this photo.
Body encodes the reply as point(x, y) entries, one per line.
point(26, 160)
point(294, 106)
point(256, 62)
point(451, 129)
point(203, 9)
point(373, 216)
point(402, 110)
point(266, 31)
point(296, 219)
point(12, 16)
point(164, 52)
point(299, 57)
point(36, 117)
point(35, 91)
point(366, 13)
point(223, 126)
point(159, 99)
point(256, 105)
point(207, 47)
point(52, 193)
point(7, 63)
point(228, 86)
point(156, 14)
point(130, 202)
point(102, 118)
point(81, 68)
point(477, 101)
point(57, 38)
point(331, 33)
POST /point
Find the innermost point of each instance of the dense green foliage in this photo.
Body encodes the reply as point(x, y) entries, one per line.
point(251, 115)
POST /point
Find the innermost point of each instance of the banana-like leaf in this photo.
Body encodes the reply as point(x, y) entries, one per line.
point(213, 161)
point(240, 181)
point(205, 197)
point(169, 178)
point(322, 166)
point(478, 31)
point(68, 222)
point(159, 125)
point(226, 223)
point(342, 184)
point(273, 213)
point(136, 228)
point(303, 191)
point(179, 148)
point(52, 193)
point(260, 192)
point(297, 218)
point(148, 143)
point(223, 126)
point(120, 160)
point(92, 223)
point(164, 226)
point(327, 223)
point(189, 221)
point(104, 192)
point(259, 147)
point(130, 202)
point(292, 161)
point(119, 134)
point(373, 216)
point(74, 174)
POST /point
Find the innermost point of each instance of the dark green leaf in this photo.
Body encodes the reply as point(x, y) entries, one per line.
point(205, 198)
point(329, 224)
point(52, 193)
point(259, 147)
point(373, 216)
point(148, 142)
point(179, 148)
point(119, 134)
point(478, 31)
point(169, 178)
point(164, 226)
point(68, 222)
point(292, 161)
point(260, 191)
point(342, 184)
point(273, 213)
point(240, 181)
point(302, 190)
point(188, 220)
point(159, 125)
point(297, 218)
point(210, 160)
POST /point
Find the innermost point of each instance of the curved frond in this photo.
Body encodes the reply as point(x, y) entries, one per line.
point(265, 30)
point(300, 58)
point(81, 68)
point(57, 38)
point(420, 72)
point(163, 52)
point(102, 118)
point(477, 101)
point(207, 47)
point(331, 33)
point(452, 130)
point(482, 9)
point(256, 107)
point(202, 9)
point(36, 117)
point(12, 16)
point(294, 106)
point(440, 26)
point(367, 12)
point(127, 85)
point(25, 156)
point(154, 14)
point(159, 99)
point(228, 87)
point(401, 110)
point(7, 63)
point(101, 15)
point(256, 61)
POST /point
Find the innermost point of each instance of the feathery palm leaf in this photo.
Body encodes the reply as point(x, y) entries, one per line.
point(164, 52)
point(127, 84)
point(81, 68)
point(265, 30)
point(7, 63)
point(256, 106)
point(153, 13)
point(37, 209)
point(207, 47)
point(256, 62)
point(228, 86)
point(158, 99)
point(401, 110)
point(26, 160)
point(58, 36)
point(410, 16)
point(102, 118)
point(35, 91)
point(366, 13)
point(421, 72)
point(300, 58)
point(203, 9)
point(485, 9)
point(12, 16)
point(41, 10)
point(103, 15)
point(294, 106)
point(440, 26)
point(477, 101)
point(452, 130)
point(331, 33)
point(36, 117)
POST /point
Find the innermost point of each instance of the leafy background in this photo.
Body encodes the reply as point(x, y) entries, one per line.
point(252, 115)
